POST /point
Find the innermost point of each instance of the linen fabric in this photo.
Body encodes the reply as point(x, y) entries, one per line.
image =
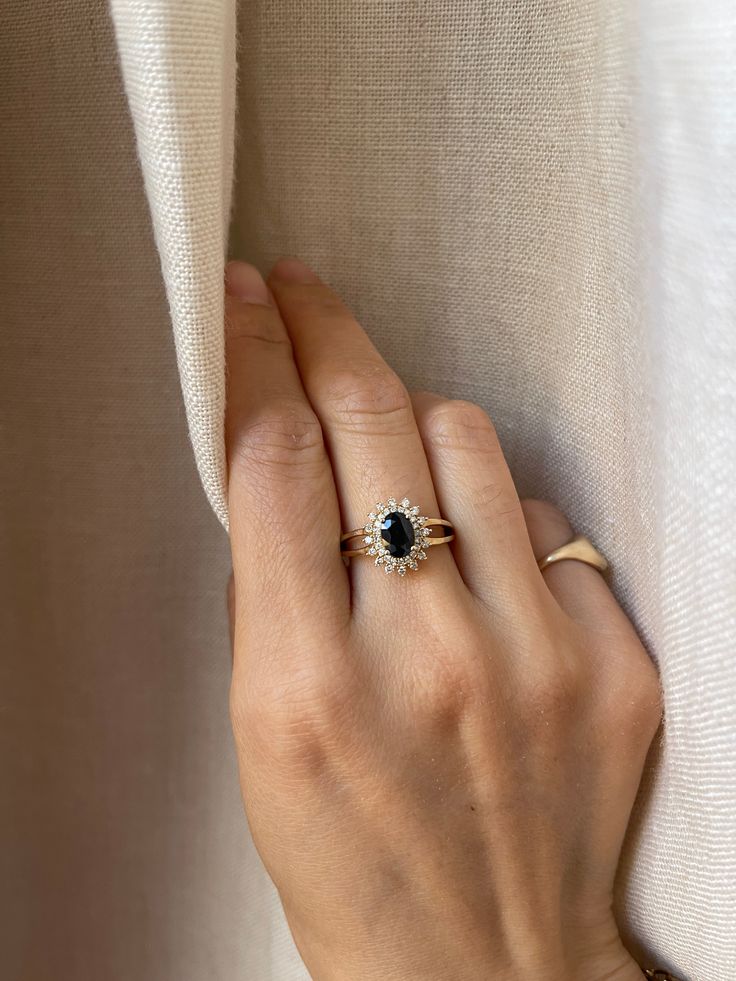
point(529, 205)
point(179, 64)
point(124, 854)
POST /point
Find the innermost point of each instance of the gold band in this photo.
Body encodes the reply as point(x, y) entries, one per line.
point(579, 549)
point(431, 539)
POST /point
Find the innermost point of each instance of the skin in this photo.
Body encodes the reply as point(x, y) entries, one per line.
point(438, 771)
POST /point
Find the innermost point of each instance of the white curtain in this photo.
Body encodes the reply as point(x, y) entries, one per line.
point(529, 205)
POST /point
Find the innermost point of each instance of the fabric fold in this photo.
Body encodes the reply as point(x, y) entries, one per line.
point(178, 64)
point(542, 197)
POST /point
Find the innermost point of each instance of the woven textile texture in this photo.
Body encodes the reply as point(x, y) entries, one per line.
point(529, 205)
point(124, 855)
point(533, 206)
point(179, 64)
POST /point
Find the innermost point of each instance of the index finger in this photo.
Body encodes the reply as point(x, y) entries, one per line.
point(284, 515)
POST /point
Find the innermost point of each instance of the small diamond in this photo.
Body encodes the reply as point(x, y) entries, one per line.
point(379, 560)
point(388, 568)
point(368, 539)
point(372, 516)
point(413, 565)
point(405, 503)
point(422, 555)
point(415, 509)
point(401, 570)
point(392, 502)
point(426, 531)
point(372, 550)
point(379, 506)
point(368, 528)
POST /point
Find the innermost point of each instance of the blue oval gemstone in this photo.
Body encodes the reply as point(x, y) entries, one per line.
point(398, 534)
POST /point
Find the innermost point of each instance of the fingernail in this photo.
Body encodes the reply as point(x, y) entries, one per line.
point(291, 270)
point(246, 283)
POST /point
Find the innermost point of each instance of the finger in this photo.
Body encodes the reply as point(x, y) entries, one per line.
point(365, 410)
point(231, 611)
point(579, 589)
point(284, 517)
point(474, 484)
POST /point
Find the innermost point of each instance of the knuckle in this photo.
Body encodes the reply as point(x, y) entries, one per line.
point(252, 322)
point(464, 426)
point(297, 721)
point(448, 686)
point(325, 303)
point(634, 699)
point(282, 435)
point(540, 514)
point(460, 425)
point(315, 300)
point(494, 500)
point(366, 396)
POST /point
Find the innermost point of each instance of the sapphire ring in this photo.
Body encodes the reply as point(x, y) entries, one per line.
point(397, 536)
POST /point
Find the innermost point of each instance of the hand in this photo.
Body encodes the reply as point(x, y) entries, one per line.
point(437, 770)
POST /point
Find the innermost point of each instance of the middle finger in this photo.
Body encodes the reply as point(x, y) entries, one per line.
point(365, 410)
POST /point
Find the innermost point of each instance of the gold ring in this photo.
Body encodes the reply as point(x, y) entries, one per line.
point(579, 549)
point(397, 536)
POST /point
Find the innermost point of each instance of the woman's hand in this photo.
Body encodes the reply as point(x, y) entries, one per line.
point(438, 770)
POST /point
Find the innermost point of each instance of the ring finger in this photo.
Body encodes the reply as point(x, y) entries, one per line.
point(365, 410)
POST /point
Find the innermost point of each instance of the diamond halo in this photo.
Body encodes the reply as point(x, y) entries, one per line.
point(378, 545)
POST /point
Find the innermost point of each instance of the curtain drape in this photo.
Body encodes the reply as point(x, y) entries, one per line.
point(533, 206)
point(529, 205)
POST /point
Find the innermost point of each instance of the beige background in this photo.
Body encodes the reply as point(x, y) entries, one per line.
point(528, 204)
point(123, 852)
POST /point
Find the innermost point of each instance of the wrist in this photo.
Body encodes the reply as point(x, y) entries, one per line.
point(581, 955)
point(604, 969)
point(577, 958)
point(608, 965)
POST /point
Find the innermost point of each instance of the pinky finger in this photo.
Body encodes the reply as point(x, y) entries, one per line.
point(579, 589)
